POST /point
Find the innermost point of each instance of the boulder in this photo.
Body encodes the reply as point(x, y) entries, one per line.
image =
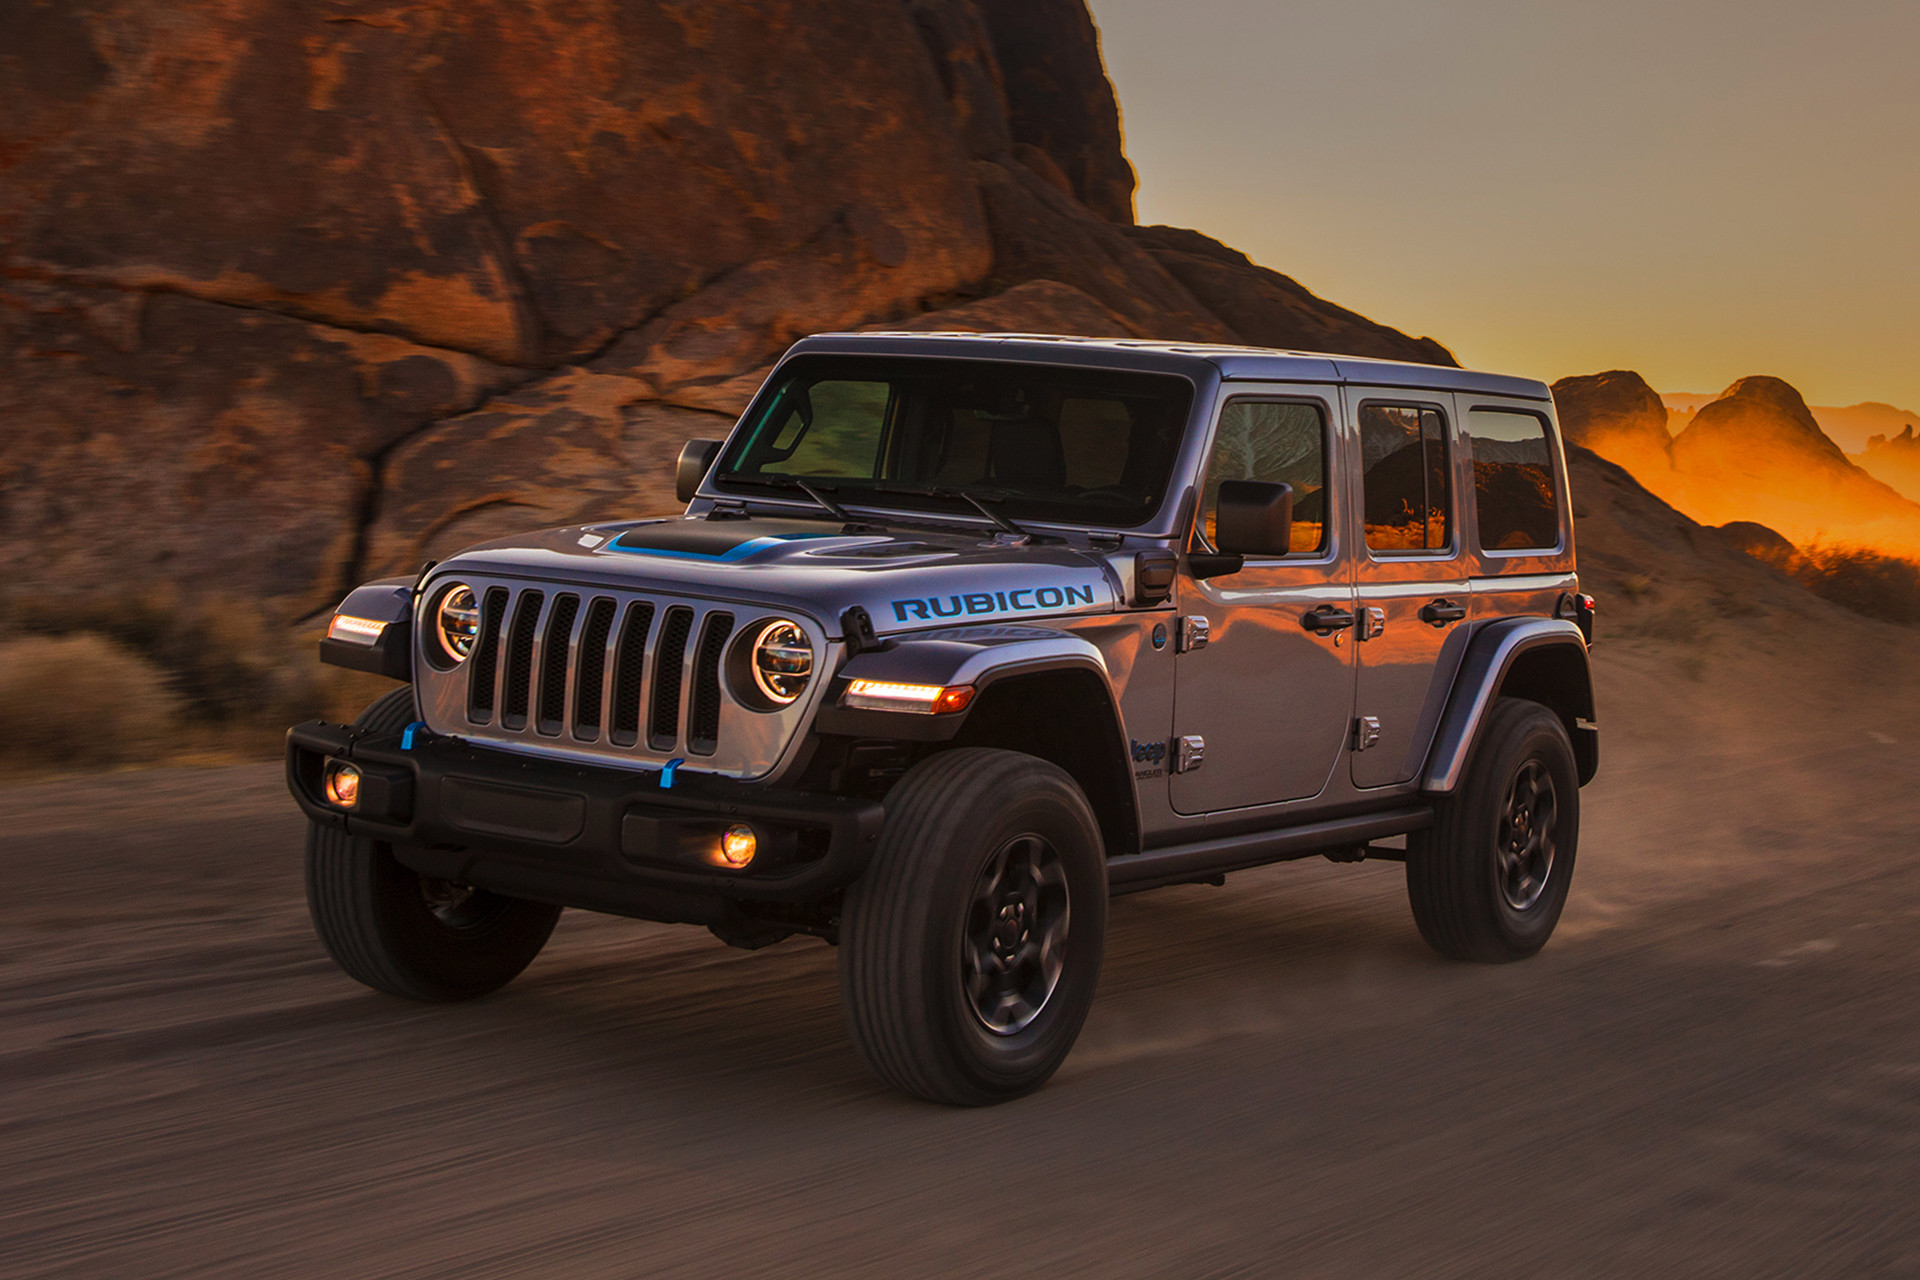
point(162, 442)
point(522, 181)
point(1618, 416)
point(1059, 99)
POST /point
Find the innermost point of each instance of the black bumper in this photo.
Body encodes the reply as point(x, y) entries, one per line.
point(587, 836)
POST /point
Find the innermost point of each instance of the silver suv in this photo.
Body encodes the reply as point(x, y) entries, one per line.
point(959, 636)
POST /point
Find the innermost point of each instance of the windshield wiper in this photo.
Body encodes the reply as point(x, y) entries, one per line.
point(936, 491)
point(825, 503)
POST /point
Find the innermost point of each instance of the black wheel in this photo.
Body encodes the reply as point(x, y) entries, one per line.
point(1489, 878)
point(407, 934)
point(970, 949)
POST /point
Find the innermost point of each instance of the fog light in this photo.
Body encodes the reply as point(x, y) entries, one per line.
point(737, 847)
point(343, 785)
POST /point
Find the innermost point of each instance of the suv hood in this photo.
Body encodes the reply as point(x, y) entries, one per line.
point(905, 579)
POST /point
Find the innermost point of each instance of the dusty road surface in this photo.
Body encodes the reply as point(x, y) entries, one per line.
point(1714, 1069)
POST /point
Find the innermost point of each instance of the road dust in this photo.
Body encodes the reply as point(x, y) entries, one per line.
point(1711, 1070)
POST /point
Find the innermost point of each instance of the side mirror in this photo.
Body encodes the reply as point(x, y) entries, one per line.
point(1255, 518)
point(696, 459)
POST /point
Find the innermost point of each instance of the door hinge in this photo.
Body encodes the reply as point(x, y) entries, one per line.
point(1189, 753)
point(1366, 732)
point(1193, 633)
point(1372, 622)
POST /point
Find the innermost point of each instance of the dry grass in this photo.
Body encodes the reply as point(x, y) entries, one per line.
point(1867, 582)
point(80, 700)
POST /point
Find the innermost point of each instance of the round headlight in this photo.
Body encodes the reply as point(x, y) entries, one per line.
point(457, 622)
point(782, 661)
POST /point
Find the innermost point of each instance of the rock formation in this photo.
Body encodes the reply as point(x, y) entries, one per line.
point(1894, 461)
point(1618, 416)
point(1755, 454)
point(296, 294)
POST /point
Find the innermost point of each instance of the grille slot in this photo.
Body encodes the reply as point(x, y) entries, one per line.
point(593, 669)
point(553, 664)
point(630, 674)
point(663, 730)
point(519, 678)
point(486, 657)
point(703, 726)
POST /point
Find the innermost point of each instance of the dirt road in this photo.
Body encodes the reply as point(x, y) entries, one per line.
point(1714, 1069)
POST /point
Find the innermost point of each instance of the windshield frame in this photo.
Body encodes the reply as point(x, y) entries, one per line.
point(884, 496)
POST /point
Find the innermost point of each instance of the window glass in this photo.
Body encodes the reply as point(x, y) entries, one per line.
point(1283, 443)
point(1513, 489)
point(829, 429)
point(1404, 457)
point(1042, 442)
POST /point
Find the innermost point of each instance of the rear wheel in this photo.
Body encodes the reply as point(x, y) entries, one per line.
point(1488, 880)
point(407, 934)
point(971, 947)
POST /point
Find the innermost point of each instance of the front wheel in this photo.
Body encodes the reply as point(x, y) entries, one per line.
point(407, 934)
point(971, 947)
point(1488, 880)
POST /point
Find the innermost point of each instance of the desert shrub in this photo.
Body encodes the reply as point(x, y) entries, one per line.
point(1867, 582)
point(80, 699)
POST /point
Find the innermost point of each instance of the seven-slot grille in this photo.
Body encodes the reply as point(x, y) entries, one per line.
point(588, 666)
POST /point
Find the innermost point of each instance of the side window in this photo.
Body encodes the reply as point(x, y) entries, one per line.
point(1513, 489)
point(1403, 453)
point(1281, 442)
point(830, 429)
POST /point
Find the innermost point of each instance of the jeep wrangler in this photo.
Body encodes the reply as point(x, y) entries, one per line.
point(957, 637)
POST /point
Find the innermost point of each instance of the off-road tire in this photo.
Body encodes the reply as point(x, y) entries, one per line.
point(1467, 898)
point(903, 970)
point(375, 916)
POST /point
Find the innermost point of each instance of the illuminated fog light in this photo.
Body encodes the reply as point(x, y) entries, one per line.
point(358, 630)
point(343, 785)
point(923, 699)
point(737, 847)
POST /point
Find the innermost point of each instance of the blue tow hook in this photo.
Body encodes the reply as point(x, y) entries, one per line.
point(406, 735)
point(667, 772)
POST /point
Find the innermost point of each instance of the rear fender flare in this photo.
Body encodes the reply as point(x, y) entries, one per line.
point(1552, 655)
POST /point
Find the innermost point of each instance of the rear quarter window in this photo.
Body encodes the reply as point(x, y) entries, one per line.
point(1514, 490)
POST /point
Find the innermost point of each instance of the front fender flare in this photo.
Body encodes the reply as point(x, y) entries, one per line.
point(978, 656)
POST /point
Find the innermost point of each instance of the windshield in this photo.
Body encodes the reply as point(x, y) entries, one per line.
point(1079, 446)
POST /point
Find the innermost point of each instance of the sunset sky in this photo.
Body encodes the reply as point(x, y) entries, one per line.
point(1696, 189)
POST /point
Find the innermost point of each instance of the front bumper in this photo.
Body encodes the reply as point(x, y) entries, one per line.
point(580, 835)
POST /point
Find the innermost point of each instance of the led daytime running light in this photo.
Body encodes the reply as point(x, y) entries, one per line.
point(891, 695)
point(358, 630)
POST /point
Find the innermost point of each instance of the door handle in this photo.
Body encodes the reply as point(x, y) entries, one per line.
point(1442, 611)
point(1327, 619)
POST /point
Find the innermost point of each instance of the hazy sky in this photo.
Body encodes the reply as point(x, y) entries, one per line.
point(1696, 189)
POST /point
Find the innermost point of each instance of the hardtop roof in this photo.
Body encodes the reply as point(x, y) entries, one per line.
point(1232, 363)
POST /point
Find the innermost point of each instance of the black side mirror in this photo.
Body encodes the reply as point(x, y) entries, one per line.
point(1255, 518)
point(696, 459)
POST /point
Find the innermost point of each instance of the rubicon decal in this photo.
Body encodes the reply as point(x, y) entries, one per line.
point(1026, 599)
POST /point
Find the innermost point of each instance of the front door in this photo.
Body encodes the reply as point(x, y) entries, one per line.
point(1414, 595)
point(1270, 698)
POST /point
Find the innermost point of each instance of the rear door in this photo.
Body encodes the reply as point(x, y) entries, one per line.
point(1413, 591)
point(1270, 698)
